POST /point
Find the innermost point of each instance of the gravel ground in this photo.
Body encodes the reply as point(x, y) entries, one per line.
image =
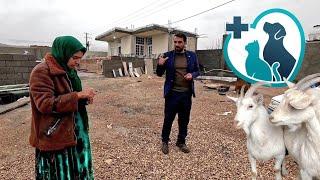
point(125, 125)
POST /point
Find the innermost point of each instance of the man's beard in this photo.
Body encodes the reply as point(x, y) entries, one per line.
point(178, 49)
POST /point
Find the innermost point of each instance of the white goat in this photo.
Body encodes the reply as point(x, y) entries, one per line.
point(264, 140)
point(299, 111)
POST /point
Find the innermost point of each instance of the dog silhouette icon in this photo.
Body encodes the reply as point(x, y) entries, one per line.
point(274, 50)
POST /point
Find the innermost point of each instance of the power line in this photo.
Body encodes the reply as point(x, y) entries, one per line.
point(150, 4)
point(202, 12)
point(154, 12)
point(144, 13)
point(137, 13)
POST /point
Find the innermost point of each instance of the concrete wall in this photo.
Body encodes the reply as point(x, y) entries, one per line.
point(191, 43)
point(160, 43)
point(311, 63)
point(15, 68)
point(113, 48)
point(116, 63)
point(127, 44)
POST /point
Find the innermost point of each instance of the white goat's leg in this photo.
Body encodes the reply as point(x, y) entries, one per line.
point(277, 166)
point(304, 175)
point(253, 166)
point(284, 170)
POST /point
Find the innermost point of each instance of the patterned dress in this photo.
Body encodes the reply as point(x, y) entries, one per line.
point(71, 163)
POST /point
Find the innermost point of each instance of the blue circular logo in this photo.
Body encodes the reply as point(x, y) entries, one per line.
point(270, 50)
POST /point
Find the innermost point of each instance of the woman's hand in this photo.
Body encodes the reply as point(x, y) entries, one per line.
point(87, 93)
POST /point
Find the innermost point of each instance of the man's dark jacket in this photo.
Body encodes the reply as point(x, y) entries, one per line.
point(169, 68)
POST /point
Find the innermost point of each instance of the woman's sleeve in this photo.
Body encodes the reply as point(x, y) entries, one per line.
point(42, 92)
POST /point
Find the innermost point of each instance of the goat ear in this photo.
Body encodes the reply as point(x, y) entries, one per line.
point(259, 99)
point(290, 84)
point(234, 99)
point(301, 101)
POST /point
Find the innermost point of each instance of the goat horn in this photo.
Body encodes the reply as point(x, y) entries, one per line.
point(308, 84)
point(242, 91)
point(306, 79)
point(253, 88)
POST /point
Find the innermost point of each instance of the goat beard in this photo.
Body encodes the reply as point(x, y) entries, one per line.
point(237, 125)
point(293, 128)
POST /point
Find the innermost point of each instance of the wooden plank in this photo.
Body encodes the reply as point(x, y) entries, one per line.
point(228, 79)
point(125, 68)
point(138, 70)
point(8, 87)
point(142, 70)
point(120, 72)
point(114, 73)
point(131, 69)
point(15, 89)
point(136, 74)
point(148, 66)
point(12, 106)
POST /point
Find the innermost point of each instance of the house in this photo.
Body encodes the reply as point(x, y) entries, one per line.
point(148, 41)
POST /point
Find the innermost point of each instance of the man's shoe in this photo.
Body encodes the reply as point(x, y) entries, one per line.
point(183, 147)
point(165, 148)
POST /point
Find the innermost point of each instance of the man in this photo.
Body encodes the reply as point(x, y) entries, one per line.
point(181, 68)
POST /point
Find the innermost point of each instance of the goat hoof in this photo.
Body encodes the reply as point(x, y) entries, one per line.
point(254, 175)
point(284, 172)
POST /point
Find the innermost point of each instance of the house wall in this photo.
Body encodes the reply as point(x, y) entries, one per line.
point(127, 44)
point(160, 43)
point(113, 48)
point(191, 44)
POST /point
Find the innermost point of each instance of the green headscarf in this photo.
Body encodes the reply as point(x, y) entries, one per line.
point(63, 48)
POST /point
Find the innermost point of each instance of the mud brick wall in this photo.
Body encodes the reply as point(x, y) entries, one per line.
point(116, 63)
point(311, 62)
point(211, 59)
point(91, 65)
point(16, 68)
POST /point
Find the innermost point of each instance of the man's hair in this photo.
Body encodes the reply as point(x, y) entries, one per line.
point(181, 35)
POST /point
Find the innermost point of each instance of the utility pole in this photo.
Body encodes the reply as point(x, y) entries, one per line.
point(87, 42)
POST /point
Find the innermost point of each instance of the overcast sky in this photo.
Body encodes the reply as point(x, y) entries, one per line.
point(40, 21)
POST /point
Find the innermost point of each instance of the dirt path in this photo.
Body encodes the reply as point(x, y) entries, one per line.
point(125, 126)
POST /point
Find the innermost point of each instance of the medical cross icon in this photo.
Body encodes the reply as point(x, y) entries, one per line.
point(237, 27)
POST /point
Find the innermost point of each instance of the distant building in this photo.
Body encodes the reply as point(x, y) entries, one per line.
point(315, 34)
point(148, 41)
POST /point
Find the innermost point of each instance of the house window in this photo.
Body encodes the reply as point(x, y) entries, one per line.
point(139, 46)
point(119, 50)
point(149, 50)
point(149, 45)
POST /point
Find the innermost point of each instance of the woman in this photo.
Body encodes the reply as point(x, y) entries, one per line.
point(59, 128)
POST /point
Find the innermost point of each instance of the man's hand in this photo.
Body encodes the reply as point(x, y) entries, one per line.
point(162, 60)
point(188, 76)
